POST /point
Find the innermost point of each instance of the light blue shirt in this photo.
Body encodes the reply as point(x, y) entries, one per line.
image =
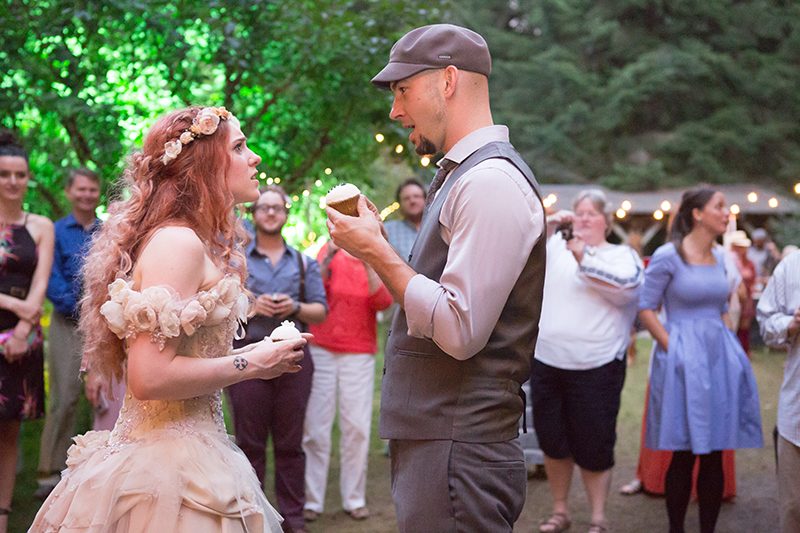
point(402, 235)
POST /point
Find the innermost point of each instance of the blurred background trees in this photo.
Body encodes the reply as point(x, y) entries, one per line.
point(641, 94)
point(631, 94)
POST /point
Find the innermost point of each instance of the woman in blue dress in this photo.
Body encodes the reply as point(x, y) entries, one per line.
point(703, 396)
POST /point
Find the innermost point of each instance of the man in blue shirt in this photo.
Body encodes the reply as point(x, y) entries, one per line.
point(403, 232)
point(73, 234)
point(287, 286)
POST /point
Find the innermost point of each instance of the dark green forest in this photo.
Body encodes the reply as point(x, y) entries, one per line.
point(632, 94)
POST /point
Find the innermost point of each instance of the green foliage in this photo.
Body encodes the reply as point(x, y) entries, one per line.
point(643, 93)
point(82, 81)
point(788, 231)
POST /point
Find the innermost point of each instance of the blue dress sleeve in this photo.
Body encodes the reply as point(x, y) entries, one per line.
point(657, 277)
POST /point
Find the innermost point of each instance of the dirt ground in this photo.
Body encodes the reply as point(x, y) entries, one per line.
point(754, 509)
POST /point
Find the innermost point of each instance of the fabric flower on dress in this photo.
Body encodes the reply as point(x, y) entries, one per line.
point(114, 314)
point(169, 320)
point(158, 297)
point(85, 446)
point(117, 288)
point(228, 288)
point(159, 310)
point(140, 313)
point(192, 316)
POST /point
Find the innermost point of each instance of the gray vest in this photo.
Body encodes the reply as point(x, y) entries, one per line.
point(427, 394)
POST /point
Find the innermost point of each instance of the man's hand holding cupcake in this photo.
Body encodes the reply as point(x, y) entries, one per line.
point(357, 234)
point(363, 236)
point(346, 199)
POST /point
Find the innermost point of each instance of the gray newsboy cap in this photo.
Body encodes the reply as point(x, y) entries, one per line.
point(435, 46)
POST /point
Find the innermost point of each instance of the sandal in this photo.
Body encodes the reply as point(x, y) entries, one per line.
point(629, 489)
point(362, 513)
point(557, 523)
point(597, 528)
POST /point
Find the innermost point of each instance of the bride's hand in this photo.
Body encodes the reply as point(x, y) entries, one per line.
point(272, 359)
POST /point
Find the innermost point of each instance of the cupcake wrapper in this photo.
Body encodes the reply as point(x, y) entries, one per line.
point(347, 207)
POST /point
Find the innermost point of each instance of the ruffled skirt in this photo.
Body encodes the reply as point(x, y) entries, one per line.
point(172, 480)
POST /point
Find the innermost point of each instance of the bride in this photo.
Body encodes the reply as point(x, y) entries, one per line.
point(163, 300)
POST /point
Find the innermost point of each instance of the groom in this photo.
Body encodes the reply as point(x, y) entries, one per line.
point(460, 347)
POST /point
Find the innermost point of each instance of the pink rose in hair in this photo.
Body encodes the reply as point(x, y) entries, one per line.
point(206, 121)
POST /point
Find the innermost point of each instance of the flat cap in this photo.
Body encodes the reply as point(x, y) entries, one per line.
point(435, 46)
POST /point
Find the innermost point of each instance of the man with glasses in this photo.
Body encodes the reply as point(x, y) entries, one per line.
point(287, 286)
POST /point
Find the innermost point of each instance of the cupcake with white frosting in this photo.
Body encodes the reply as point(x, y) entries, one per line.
point(286, 331)
point(344, 198)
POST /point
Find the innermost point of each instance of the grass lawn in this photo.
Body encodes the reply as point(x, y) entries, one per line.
point(754, 509)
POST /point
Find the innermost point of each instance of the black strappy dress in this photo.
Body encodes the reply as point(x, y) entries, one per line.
point(21, 382)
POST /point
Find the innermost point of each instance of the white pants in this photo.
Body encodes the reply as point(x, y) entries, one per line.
point(353, 377)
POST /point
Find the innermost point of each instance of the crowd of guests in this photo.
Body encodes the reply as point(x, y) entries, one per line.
point(702, 398)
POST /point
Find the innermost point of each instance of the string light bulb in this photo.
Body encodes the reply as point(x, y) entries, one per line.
point(735, 209)
point(658, 214)
point(772, 202)
point(626, 205)
point(379, 137)
point(399, 149)
point(665, 205)
point(752, 197)
point(621, 213)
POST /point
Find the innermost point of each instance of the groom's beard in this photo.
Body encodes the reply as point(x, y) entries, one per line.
point(425, 147)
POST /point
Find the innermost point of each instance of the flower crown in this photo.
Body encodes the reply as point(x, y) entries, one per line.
point(204, 123)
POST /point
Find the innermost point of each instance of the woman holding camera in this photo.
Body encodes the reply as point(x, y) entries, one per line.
point(590, 296)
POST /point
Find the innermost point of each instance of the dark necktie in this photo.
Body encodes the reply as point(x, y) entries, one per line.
point(445, 166)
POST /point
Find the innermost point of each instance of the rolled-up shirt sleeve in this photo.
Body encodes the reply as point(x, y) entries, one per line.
point(617, 281)
point(773, 313)
point(491, 220)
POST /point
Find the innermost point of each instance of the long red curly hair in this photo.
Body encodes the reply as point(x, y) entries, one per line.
point(190, 191)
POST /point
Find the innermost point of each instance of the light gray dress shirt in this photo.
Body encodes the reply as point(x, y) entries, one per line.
point(778, 303)
point(490, 220)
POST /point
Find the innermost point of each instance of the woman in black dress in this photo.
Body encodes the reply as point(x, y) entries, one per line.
point(26, 255)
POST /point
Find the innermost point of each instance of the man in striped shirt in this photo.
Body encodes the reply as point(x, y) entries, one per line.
point(778, 316)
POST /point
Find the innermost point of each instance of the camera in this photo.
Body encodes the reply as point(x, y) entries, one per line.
point(565, 230)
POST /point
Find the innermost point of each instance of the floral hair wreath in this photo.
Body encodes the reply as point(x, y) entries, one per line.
point(204, 123)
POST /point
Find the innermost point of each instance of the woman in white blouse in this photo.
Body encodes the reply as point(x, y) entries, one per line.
point(590, 300)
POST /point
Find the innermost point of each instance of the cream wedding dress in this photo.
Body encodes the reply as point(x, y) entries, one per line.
point(167, 465)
